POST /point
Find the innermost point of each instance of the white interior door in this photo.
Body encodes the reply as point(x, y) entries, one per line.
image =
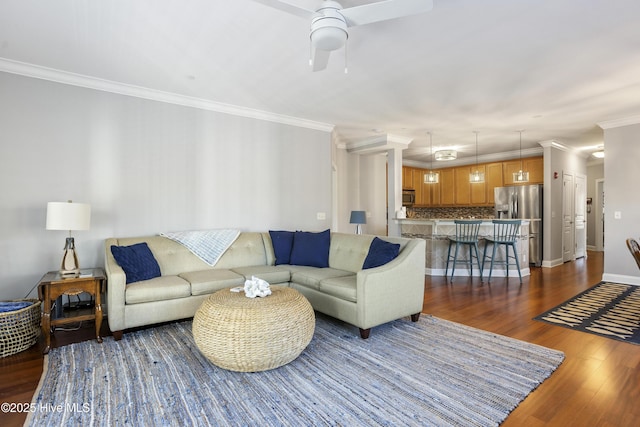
point(568, 201)
point(580, 217)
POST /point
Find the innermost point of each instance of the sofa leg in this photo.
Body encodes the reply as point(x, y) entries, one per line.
point(117, 335)
point(415, 317)
point(364, 333)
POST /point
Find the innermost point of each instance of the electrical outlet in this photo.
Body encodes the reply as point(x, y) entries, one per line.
point(321, 216)
point(617, 215)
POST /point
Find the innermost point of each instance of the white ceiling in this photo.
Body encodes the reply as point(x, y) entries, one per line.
point(553, 68)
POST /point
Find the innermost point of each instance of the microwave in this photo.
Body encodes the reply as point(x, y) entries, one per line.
point(408, 197)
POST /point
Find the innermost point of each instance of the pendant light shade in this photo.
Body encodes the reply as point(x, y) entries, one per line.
point(520, 176)
point(477, 176)
point(431, 177)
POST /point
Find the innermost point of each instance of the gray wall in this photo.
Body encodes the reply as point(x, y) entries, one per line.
point(558, 161)
point(594, 172)
point(145, 167)
point(621, 195)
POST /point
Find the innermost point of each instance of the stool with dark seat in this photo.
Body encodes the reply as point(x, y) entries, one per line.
point(505, 232)
point(466, 234)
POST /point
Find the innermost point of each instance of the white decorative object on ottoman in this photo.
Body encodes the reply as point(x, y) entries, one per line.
point(253, 334)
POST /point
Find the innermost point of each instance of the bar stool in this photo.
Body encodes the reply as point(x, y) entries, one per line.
point(505, 233)
point(466, 234)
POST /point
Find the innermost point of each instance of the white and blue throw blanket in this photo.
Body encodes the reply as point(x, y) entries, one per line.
point(208, 245)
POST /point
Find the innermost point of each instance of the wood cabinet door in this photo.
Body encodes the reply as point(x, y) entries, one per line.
point(463, 190)
point(478, 189)
point(447, 187)
point(493, 179)
point(407, 177)
point(535, 166)
point(417, 178)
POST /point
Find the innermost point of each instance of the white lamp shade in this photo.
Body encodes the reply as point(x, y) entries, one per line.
point(68, 216)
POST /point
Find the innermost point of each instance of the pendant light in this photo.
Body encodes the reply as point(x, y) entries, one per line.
point(520, 176)
point(477, 176)
point(431, 177)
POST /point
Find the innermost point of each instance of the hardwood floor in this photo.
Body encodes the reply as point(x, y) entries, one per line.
point(598, 384)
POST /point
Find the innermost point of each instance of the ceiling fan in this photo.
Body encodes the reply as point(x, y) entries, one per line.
point(329, 22)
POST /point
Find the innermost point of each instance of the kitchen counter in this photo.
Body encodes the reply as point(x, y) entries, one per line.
point(436, 232)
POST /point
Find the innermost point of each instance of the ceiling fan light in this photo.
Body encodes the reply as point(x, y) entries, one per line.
point(328, 33)
point(444, 155)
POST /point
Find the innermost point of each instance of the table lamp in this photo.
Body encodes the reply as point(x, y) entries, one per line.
point(68, 216)
point(358, 218)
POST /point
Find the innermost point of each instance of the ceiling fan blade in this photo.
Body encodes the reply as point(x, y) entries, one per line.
point(384, 10)
point(320, 59)
point(288, 7)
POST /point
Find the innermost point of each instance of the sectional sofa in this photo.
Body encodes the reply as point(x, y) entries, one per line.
point(342, 289)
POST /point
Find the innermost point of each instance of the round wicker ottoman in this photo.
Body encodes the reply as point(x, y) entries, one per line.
point(253, 334)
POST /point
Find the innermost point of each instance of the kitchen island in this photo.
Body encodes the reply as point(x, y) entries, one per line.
point(436, 233)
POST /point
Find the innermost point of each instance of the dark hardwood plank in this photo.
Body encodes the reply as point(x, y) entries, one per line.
point(598, 384)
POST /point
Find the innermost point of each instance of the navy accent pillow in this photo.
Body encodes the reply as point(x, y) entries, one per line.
point(380, 253)
point(282, 243)
point(137, 261)
point(311, 249)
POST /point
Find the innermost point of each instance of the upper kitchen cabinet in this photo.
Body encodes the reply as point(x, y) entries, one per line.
point(447, 186)
point(533, 165)
point(407, 178)
point(493, 178)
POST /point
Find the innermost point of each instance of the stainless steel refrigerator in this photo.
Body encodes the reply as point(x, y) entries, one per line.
point(523, 202)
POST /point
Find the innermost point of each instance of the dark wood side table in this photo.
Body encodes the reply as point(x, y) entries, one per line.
point(53, 285)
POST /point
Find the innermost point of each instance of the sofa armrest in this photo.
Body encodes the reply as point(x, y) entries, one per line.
point(116, 287)
point(393, 290)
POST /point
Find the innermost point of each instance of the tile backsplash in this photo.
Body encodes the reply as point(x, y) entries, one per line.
point(451, 213)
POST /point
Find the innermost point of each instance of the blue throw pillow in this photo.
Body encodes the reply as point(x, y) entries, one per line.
point(380, 253)
point(311, 249)
point(282, 243)
point(137, 261)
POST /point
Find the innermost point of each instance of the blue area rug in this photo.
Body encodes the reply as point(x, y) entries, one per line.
point(611, 310)
point(429, 373)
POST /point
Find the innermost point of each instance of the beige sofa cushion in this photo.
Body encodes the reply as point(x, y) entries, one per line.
point(273, 274)
point(312, 276)
point(349, 251)
point(157, 289)
point(341, 287)
point(212, 280)
point(248, 249)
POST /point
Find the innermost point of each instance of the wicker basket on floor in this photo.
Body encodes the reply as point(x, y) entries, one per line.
point(19, 329)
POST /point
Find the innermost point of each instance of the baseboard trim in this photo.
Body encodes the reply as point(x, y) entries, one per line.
point(552, 263)
point(621, 278)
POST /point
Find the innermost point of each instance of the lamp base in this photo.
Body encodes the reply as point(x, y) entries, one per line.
point(358, 229)
point(70, 266)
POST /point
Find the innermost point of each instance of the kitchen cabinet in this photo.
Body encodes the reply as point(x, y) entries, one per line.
point(462, 186)
point(478, 189)
point(416, 182)
point(447, 187)
point(493, 178)
point(407, 177)
point(533, 165)
point(454, 188)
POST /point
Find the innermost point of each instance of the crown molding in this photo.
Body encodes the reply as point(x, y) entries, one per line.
point(378, 144)
point(80, 80)
point(625, 121)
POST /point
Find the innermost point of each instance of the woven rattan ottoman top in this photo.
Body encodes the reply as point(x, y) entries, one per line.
point(253, 334)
